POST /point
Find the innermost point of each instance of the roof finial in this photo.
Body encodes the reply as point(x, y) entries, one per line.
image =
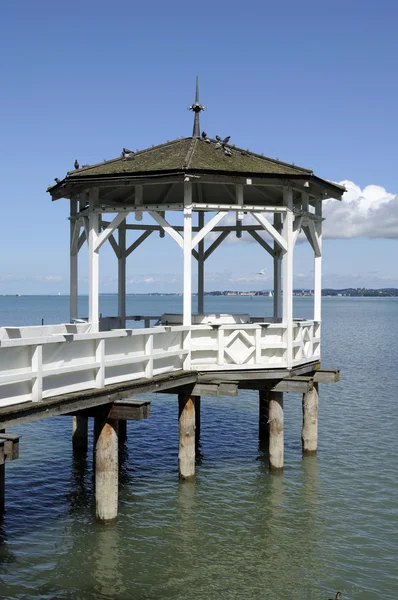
point(196, 107)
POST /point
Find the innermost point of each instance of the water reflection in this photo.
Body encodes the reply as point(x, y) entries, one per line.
point(106, 569)
point(79, 494)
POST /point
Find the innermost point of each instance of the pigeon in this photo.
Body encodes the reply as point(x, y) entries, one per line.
point(218, 138)
point(127, 151)
point(76, 165)
point(204, 135)
point(227, 152)
point(57, 180)
point(84, 166)
point(226, 140)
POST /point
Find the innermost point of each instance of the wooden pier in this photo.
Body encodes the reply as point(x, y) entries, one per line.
point(97, 366)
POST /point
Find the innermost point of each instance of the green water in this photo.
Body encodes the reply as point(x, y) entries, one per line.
point(329, 523)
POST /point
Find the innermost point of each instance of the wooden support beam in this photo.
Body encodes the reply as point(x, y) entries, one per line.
point(215, 244)
point(276, 236)
point(122, 432)
point(130, 409)
point(327, 375)
point(276, 441)
point(208, 227)
point(187, 250)
point(138, 242)
point(79, 434)
point(104, 235)
point(262, 242)
point(106, 469)
point(186, 450)
point(197, 420)
point(263, 425)
point(10, 445)
point(177, 237)
point(309, 432)
point(299, 384)
point(2, 481)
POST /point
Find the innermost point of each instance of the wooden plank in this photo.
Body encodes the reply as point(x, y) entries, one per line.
point(10, 445)
point(301, 385)
point(130, 410)
point(256, 374)
point(327, 376)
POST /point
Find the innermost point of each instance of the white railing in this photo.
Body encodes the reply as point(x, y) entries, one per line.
point(41, 362)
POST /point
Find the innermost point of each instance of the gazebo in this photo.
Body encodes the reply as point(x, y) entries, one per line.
point(204, 179)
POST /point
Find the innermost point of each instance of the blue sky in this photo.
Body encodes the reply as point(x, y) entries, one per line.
point(309, 82)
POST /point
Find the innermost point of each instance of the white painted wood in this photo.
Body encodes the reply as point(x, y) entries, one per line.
point(287, 268)
point(177, 237)
point(246, 207)
point(297, 227)
point(187, 247)
point(208, 227)
point(121, 278)
point(276, 236)
point(262, 242)
point(318, 265)
point(101, 239)
point(215, 244)
point(201, 266)
point(137, 242)
point(100, 360)
point(73, 273)
point(311, 234)
point(93, 262)
point(37, 367)
point(277, 271)
point(149, 355)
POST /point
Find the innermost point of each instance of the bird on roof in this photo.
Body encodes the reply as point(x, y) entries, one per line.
point(127, 151)
point(227, 152)
point(338, 596)
point(226, 140)
point(76, 164)
point(84, 166)
point(57, 180)
point(204, 135)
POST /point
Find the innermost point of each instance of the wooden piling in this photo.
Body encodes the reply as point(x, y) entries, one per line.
point(275, 420)
point(122, 432)
point(309, 432)
point(2, 481)
point(106, 469)
point(263, 425)
point(186, 450)
point(79, 434)
point(197, 420)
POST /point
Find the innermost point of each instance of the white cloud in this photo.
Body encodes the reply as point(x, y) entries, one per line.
point(371, 212)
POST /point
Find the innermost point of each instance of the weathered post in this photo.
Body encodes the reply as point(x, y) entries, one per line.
point(106, 468)
point(2, 481)
point(186, 450)
point(197, 420)
point(122, 432)
point(79, 434)
point(309, 432)
point(275, 420)
point(263, 425)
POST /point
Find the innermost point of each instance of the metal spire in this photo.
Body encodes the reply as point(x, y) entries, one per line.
point(196, 107)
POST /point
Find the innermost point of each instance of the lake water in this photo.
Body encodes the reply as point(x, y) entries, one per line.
point(329, 523)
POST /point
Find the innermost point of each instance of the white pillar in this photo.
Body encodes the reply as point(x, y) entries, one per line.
point(201, 265)
point(73, 272)
point(93, 262)
point(318, 265)
point(277, 271)
point(187, 299)
point(287, 267)
point(121, 264)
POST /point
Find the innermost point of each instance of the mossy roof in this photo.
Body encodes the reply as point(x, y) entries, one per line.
point(191, 154)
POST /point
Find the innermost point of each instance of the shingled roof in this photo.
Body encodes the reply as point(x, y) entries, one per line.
point(190, 154)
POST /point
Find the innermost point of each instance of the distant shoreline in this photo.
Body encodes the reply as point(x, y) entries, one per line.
point(326, 292)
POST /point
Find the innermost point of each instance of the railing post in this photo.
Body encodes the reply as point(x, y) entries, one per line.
point(149, 355)
point(37, 366)
point(100, 358)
